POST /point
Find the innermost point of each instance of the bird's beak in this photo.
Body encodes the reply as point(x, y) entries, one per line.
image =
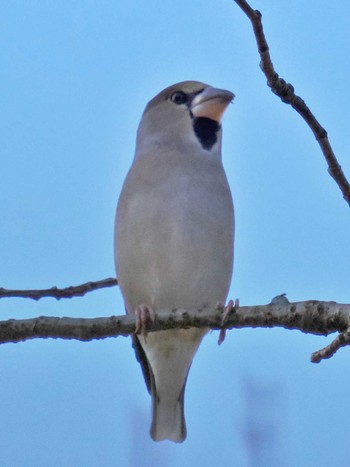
point(211, 103)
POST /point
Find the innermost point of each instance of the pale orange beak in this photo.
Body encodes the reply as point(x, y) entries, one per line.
point(211, 103)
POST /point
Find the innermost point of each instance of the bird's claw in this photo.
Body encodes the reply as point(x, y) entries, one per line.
point(145, 318)
point(229, 308)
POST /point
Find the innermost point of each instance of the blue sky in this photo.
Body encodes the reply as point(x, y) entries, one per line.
point(75, 78)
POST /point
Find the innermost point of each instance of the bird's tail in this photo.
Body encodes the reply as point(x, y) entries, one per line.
point(168, 418)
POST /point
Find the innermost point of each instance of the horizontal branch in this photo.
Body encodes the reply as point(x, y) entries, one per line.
point(315, 317)
point(67, 292)
point(286, 93)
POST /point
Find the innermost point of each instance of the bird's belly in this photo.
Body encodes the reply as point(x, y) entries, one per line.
point(182, 258)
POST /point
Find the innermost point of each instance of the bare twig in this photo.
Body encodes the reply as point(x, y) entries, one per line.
point(315, 317)
point(286, 92)
point(68, 292)
point(341, 340)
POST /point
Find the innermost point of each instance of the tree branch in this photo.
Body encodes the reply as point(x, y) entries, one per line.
point(285, 91)
point(315, 317)
point(68, 292)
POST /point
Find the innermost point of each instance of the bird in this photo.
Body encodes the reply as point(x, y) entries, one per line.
point(174, 235)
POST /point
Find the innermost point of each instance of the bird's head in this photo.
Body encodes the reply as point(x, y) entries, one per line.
point(186, 116)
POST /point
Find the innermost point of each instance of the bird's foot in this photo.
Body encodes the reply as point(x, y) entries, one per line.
point(229, 308)
point(145, 318)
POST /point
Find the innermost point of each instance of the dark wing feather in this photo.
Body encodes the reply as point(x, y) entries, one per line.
point(142, 359)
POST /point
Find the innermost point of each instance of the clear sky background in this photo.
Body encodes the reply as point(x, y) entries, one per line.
point(75, 77)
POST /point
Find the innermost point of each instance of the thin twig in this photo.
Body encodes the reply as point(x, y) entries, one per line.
point(315, 317)
point(285, 91)
point(341, 340)
point(67, 292)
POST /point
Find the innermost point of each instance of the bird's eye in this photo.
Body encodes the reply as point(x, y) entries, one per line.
point(178, 97)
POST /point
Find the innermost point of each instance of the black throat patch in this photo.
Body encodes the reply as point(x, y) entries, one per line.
point(206, 131)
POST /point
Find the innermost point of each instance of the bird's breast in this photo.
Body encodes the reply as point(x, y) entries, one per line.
point(174, 237)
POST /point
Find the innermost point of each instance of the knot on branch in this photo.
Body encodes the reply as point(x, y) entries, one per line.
point(282, 89)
